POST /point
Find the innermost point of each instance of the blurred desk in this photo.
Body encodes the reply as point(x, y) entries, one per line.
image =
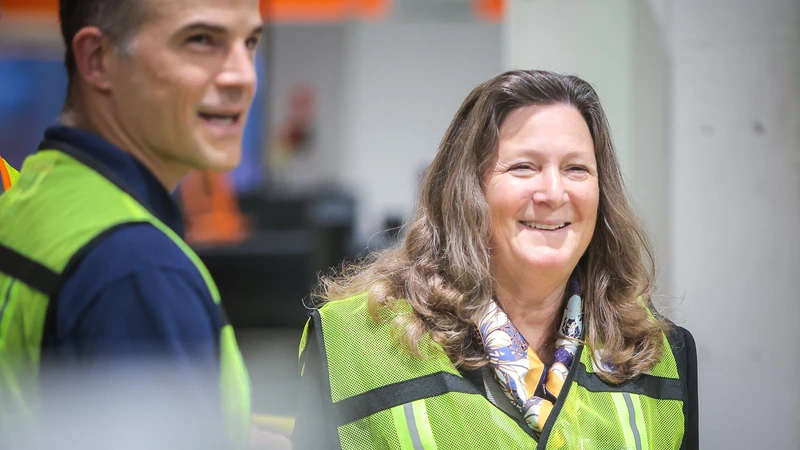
point(264, 279)
point(276, 244)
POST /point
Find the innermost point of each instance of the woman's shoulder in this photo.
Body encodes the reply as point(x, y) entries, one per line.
point(683, 345)
point(348, 325)
point(345, 305)
point(680, 339)
point(684, 335)
point(359, 305)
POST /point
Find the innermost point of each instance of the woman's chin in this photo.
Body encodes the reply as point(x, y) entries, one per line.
point(550, 261)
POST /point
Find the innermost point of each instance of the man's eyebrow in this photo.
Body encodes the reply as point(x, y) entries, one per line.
point(216, 28)
point(204, 26)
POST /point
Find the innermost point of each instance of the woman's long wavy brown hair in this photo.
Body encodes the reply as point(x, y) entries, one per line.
point(442, 265)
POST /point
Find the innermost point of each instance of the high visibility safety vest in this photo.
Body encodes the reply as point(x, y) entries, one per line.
point(8, 175)
point(384, 398)
point(60, 205)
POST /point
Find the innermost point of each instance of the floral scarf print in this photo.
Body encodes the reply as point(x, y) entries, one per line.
point(527, 381)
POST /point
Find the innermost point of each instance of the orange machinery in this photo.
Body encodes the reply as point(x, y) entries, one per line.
point(286, 10)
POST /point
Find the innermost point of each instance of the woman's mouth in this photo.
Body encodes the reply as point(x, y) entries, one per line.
point(544, 226)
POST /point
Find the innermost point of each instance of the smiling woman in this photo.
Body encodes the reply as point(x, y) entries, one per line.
point(517, 304)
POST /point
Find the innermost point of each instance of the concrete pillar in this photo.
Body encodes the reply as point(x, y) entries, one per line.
point(736, 213)
point(717, 177)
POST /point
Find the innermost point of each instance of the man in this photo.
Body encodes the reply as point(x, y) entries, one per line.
point(95, 280)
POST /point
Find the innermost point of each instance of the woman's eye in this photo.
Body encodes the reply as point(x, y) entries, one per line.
point(521, 168)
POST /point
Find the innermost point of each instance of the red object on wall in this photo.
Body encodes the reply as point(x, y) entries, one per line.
point(489, 10)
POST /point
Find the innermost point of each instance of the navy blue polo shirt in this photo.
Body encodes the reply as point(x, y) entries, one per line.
point(135, 296)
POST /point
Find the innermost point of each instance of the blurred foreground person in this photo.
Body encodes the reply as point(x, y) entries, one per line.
point(516, 311)
point(111, 329)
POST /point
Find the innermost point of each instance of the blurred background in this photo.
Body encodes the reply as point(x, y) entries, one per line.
point(703, 97)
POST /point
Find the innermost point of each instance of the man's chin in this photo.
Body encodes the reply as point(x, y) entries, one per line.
point(222, 160)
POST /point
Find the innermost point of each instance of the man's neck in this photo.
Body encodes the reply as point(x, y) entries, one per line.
point(107, 128)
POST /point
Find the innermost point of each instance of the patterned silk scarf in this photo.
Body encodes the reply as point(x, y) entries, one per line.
point(527, 381)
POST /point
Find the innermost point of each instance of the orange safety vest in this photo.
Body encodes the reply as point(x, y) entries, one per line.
point(8, 175)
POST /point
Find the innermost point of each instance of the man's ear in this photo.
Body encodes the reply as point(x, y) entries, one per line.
point(91, 48)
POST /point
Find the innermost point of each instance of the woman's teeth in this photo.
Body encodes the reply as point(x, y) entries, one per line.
point(541, 226)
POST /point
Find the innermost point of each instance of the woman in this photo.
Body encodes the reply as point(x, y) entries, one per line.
point(516, 311)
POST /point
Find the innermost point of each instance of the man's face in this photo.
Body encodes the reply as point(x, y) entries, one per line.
point(182, 91)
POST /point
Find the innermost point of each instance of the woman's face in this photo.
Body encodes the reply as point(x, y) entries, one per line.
point(543, 191)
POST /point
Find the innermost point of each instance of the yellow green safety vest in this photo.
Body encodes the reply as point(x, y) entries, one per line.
point(58, 206)
point(384, 398)
point(8, 175)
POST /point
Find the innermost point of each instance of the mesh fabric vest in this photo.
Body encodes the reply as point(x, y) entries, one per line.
point(382, 397)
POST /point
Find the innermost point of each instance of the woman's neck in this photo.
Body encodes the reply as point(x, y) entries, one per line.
point(535, 310)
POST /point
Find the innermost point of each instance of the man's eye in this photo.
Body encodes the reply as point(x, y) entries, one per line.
point(202, 39)
point(252, 43)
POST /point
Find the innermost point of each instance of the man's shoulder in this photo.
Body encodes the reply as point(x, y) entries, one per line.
point(134, 271)
point(133, 248)
point(135, 253)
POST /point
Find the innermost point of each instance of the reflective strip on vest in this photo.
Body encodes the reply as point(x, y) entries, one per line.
point(413, 426)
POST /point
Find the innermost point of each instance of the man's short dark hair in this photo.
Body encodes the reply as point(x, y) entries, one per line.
point(117, 19)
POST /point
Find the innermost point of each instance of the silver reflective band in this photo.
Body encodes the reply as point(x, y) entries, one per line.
point(632, 418)
point(412, 426)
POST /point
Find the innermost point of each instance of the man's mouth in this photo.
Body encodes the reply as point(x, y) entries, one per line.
point(222, 119)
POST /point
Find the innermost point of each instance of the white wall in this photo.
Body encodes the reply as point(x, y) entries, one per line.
point(404, 83)
point(736, 213)
point(650, 126)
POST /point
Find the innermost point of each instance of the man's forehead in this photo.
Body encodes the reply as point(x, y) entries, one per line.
point(202, 9)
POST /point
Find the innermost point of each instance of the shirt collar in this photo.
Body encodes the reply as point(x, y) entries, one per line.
point(140, 181)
